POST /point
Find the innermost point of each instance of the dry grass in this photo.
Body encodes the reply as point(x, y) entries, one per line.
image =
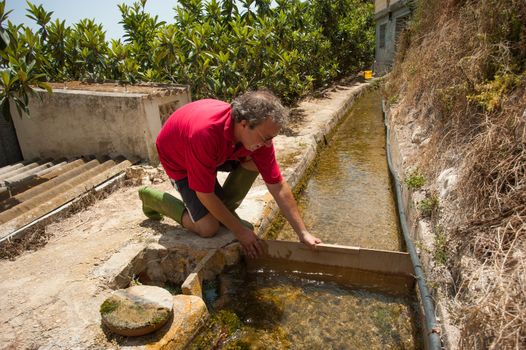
point(495, 178)
point(462, 72)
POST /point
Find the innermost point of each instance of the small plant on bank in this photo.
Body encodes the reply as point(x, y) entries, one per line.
point(428, 206)
point(392, 100)
point(135, 281)
point(415, 180)
point(440, 252)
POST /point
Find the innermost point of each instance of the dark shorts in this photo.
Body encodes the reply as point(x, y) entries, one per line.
point(195, 208)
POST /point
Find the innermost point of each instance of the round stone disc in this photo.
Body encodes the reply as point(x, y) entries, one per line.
point(137, 310)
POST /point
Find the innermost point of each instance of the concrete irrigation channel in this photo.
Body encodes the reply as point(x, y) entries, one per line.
point(52, 296)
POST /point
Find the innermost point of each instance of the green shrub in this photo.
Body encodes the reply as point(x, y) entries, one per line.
point(428, 206)
point(490, 94)
point(415, 180)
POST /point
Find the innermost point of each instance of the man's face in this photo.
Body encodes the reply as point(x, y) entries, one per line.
point(261, 135)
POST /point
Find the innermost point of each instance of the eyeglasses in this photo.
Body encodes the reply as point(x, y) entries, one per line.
point(264, 140)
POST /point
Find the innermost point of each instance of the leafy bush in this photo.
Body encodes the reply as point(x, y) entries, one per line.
point(490, 94)
point(19, 63)
point(220, 50)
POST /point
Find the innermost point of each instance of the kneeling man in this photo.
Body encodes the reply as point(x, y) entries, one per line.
point(207, 136)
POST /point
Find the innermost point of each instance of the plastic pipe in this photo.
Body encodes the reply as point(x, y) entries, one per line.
point(433, 335)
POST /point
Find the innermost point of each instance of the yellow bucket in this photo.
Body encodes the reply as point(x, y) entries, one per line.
point(368, 74)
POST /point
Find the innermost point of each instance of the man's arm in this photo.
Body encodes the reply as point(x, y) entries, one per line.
point(286, 202)
point(245, 236)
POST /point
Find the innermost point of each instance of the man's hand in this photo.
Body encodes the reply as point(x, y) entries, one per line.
point(286, 202)
point(250, 243)
point(248, 239)
point(309, 240)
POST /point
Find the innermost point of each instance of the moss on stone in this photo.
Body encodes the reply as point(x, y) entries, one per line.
point(220, 327)
point(109, 305)
point(125, 314)
point(227, 318)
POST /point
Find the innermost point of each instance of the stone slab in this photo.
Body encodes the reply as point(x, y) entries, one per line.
point(180, 238)
point(116, 271)
point(137, 310)
point(190, 314)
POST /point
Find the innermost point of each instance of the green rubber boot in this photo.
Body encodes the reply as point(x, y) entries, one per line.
point(157, 203)
point(235, 189)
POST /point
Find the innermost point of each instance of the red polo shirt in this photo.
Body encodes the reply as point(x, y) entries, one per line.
point(199, 137)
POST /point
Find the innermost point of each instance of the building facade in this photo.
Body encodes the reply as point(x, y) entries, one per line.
point(391, 18)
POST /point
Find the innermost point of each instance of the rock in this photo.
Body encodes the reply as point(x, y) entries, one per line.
point(213, 266)
point(137, 310)
point(418, 135)
point(155, 273)
point(176, 266)
point(154, 254)
point(190, 314)
point(232, 253)
point(192, 285)
point(144, 175)
point(446, 181)
point(119, 269)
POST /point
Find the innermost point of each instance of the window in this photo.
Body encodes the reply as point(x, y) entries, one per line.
point(381, 35)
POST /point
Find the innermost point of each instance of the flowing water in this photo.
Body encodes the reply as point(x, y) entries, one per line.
point(347, 200)
point(265, 310)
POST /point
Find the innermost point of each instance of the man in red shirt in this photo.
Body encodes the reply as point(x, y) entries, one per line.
point(207, 136)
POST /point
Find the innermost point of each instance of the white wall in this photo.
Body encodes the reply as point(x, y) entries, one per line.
point(79, 122)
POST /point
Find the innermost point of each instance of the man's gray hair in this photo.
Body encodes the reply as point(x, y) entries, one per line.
point(257, 106)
